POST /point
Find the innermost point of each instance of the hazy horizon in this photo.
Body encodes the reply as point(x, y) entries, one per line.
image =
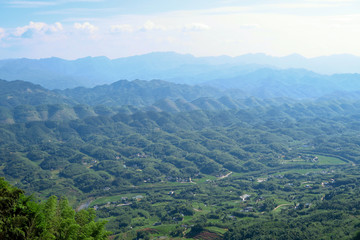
point(80, 28)
point(193, 55)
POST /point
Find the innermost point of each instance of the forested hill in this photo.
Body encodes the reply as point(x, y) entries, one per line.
point(193, 168)
point(14, 93)
point(186, 161)
point(143, 93)
point(166, 145)
point(23, 101)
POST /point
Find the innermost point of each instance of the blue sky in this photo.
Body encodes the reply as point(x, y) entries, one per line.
point(79, 28)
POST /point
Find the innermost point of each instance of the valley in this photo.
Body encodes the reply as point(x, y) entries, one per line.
point(257, 168)
point(179, 120)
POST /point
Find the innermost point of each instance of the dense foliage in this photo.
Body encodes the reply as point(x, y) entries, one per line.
point(23, 218)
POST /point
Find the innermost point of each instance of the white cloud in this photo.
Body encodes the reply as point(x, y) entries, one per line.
point(37, 28)
point(86, 26)
point(275, 29)
point(151, 26)
point(196, 27)
point(2, 33)
point(121, 28)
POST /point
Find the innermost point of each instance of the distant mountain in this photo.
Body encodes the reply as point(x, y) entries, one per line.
point(215, 104)
point(56, 73)
point(340, 63)
point(291, 83)
point(142, 93)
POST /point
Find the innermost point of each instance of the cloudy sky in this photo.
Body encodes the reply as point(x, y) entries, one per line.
point(77, 28)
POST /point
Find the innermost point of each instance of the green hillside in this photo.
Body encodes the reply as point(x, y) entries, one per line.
point(208, 168)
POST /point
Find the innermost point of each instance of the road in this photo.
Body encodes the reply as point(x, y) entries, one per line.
point(225, 176)
point(281, 205)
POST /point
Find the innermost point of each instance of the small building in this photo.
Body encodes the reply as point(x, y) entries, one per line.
point(245, 197)
point(138, 197)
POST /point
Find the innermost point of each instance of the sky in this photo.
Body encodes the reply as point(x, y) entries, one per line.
point(72, 29)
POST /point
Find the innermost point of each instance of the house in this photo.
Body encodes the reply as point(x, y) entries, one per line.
point(138, 197)
point(260, 180)
point(245, 197)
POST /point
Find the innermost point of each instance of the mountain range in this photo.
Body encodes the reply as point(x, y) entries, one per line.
point(22, 101)
point(56, 73)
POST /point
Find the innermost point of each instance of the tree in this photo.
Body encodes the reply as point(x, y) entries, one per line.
point(196, 229)
point(19, 216)
point(22, 218)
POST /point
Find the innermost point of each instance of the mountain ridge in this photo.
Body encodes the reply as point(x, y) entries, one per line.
point(59, 73)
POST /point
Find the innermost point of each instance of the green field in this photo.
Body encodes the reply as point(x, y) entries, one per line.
point(321, 160)
point(324, 160)
point(104, 200)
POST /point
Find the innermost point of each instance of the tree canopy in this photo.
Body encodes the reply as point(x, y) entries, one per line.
point(23, 218)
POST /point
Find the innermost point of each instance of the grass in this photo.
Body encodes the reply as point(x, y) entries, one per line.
point(281, 201)
point(283, 206)
point(204, 178)
point(165, 229)
point(55, 174)
point(187, 218)
point(235, 174)
point(217, 230)
point(301, 171)
point(174, 184)
point(324, 160)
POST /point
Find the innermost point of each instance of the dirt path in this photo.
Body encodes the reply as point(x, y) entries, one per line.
point(281, 205)
point(225, 176)
point(84, 205)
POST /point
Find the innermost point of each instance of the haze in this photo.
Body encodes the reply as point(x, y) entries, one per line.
point(74, 29)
